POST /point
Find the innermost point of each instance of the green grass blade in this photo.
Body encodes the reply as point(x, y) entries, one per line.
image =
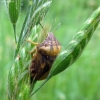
point(33, 18)
point(75, 47)
point(22, 30)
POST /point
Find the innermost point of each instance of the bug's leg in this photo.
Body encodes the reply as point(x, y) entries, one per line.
point(33, 51)
point(34, 43)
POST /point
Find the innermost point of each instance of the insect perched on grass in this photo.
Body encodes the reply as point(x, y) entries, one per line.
point(43, 58)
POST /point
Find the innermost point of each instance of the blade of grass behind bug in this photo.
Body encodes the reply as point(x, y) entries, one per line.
point(31, 20)
point(75, 47)
point(21, 34)
point(36, 18)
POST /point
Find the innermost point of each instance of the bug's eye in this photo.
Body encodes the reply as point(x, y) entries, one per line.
point(45, 57)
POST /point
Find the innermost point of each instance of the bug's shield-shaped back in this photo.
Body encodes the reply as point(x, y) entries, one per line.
point(50, 46)
point(46, 54)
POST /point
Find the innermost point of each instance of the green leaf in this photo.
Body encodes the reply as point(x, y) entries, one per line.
point(74, 49)
point(32, 19)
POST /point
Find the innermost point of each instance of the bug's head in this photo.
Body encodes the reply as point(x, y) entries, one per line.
point(50, 46)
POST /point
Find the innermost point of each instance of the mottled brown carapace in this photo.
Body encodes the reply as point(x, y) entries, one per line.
point(43, 58)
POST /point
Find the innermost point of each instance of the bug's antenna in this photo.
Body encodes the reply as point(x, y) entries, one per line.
point(43, 34)
point(42, 27)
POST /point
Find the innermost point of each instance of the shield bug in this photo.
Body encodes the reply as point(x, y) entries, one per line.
point(43, 58)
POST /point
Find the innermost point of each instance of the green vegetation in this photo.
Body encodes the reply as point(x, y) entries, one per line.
point(81, 80)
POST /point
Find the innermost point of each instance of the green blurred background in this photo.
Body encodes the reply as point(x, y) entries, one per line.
point(81, 81)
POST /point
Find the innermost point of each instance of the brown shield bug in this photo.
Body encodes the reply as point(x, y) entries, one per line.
point(43, 58)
